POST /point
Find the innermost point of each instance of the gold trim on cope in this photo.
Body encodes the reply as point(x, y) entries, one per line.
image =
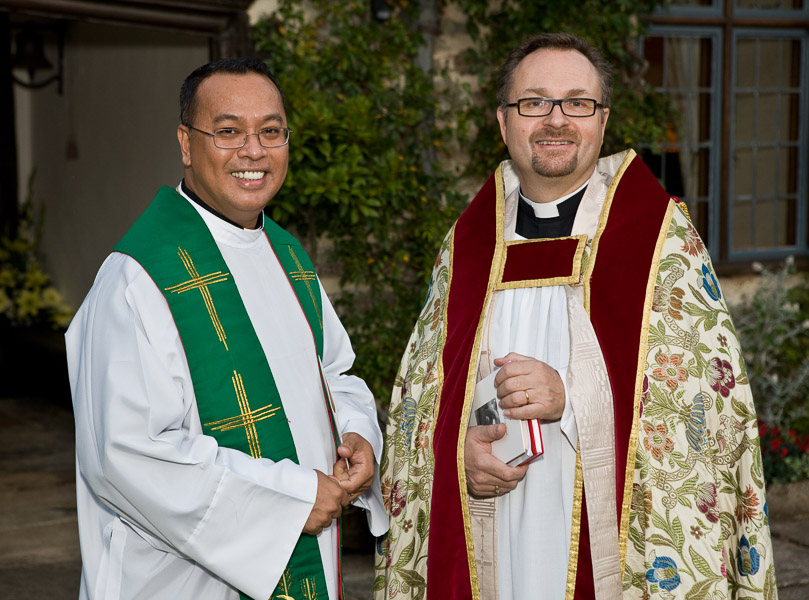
point(623, 534)
point(602, 224)
point(495, 275)
point(575, 529)
point(440, 360)
point(573, 278)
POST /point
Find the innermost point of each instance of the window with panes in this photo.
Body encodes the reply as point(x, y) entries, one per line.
point(737, 73)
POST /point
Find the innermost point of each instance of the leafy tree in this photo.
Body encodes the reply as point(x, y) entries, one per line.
point(362, 171)
point(367, 174)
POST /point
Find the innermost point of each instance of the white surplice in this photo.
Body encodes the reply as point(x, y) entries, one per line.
point(164, 512)
point(533, 522)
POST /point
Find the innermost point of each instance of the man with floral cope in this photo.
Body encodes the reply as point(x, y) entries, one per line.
point(584, 287)
point(217, 435)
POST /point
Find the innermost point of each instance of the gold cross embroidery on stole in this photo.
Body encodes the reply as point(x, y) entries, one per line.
point(247, 418)
point(201, 283)
point(306, 276)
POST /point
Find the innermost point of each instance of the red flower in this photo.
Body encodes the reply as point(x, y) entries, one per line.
point(670, 370)
point(706, 502)
point(657, 441)
point(692, 244)
point(746, 508)
point(397, 499)
point(720, 376)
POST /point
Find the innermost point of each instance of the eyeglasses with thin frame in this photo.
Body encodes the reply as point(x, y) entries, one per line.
point(542, 107)
point(230, 138)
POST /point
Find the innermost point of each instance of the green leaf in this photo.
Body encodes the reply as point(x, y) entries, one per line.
point(421, 524)
point(412, 578)
point(406, 555)
point(700, 590)
point(659, 540)
point(702, 565)
point(679, 538)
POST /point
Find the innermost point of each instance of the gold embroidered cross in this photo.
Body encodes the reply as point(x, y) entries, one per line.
point(247, 418)
point(306, 277)
point(309, 588)
point(201, 283)
point(286, 578)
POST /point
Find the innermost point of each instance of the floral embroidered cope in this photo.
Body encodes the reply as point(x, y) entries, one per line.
point(695, 519)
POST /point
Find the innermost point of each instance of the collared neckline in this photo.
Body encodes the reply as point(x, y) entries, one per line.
point(564, 206)
point(222, 228)
point(194, 197)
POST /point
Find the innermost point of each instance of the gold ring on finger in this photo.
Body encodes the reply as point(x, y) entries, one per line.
point(527, 399)
point(497, 490)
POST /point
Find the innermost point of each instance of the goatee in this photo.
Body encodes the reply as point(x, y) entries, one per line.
point(554, 167)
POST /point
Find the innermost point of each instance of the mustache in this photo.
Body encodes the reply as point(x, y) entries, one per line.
point(551, 134)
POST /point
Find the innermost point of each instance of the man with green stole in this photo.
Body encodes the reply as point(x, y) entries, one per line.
point(218, 437)
point(584, 290)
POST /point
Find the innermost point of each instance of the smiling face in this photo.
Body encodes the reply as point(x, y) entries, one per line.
point(554, 154)
point(238, 183)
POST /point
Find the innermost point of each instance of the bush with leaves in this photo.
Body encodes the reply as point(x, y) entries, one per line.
point(362, 174)
point(28, 298)
point(773, 328)
point(367, 174)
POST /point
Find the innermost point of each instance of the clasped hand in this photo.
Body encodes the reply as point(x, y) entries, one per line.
point(527, 389)
point(353, 475)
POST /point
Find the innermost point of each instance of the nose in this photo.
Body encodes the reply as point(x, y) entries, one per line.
point(556, 116)
point(252, 147)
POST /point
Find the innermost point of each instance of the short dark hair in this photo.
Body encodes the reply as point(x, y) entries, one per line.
point(232, 66)
point(554, 41)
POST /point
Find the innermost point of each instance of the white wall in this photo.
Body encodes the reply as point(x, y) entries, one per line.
point(119, 112)
point(259, 8)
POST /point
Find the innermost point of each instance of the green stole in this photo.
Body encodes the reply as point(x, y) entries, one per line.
point(237, 399)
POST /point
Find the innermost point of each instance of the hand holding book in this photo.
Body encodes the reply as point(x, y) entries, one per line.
point(487, 476)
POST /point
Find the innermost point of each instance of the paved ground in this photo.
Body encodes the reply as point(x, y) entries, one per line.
point(39, 556)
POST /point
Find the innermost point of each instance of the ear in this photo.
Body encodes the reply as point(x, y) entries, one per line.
point(183, 136)
point(501, 118)
point(605, 114)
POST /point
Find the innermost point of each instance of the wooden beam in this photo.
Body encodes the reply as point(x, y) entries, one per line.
point(204, 16)
point(8, 149)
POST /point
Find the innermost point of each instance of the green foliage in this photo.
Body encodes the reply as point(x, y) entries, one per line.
point(772, 328)
point(638, 114)
point(366, 166)
point(27, 296)
point(362, 169)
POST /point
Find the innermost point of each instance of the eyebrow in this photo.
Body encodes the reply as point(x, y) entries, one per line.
point(230, 117)
point(543, 93)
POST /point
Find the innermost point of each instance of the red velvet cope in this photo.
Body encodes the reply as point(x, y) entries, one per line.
point(618, 292)
point(474, 243)
point(557, 259)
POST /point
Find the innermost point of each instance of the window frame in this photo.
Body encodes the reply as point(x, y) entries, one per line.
point(729, 21)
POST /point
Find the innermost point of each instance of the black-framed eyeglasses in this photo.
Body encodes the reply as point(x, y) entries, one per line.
point(542, 107)
point(230, 138)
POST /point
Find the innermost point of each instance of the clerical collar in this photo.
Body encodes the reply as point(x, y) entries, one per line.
point(564, 206)
point(193, 196)
point(532, 222)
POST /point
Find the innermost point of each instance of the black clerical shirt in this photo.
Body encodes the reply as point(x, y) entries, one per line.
point(532, 227)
